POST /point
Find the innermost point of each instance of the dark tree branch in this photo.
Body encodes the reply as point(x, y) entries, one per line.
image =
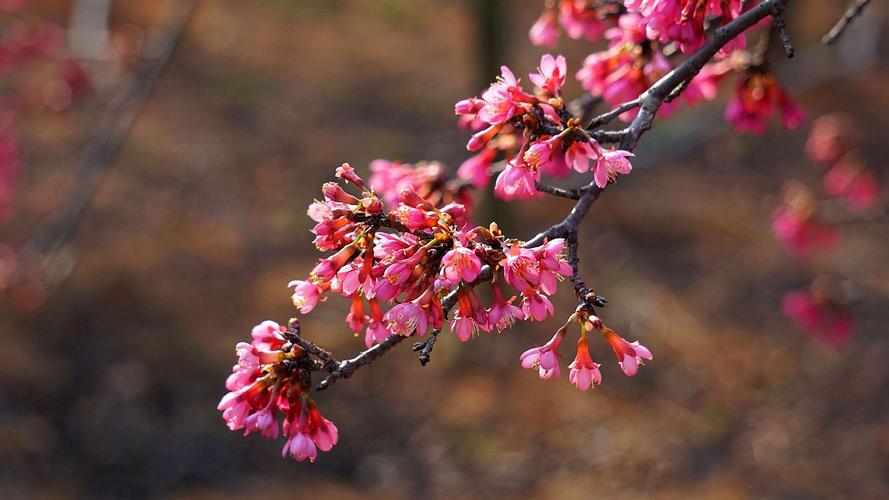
point(840, 27)
point(781, 27)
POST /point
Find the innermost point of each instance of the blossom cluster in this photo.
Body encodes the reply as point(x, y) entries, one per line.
point(684, 22)
point(536, 132)
point(429, 253)
point(584, 372)
point(270, 377)
point(631, 64)
point(641, 36)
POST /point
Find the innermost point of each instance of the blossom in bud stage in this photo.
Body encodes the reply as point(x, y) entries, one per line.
point(609, 164)
point(544, 359)
point(469, 106)
point(629, 355)
point(551, 74)
point(584, 373)
point(819, 317)
point(267, 380)
point(545, 31)
point(347, 173)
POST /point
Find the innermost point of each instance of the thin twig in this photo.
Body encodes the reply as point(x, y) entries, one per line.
point(781, 26)
point(840, 27)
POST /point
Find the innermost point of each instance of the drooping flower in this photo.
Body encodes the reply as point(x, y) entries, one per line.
point(545, 358)
point(584, 372)
point(796, 225)
point(629, 355)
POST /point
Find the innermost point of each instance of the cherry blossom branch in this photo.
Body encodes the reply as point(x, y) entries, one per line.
point(840, 27)
point(652, 98)
point(649, 102)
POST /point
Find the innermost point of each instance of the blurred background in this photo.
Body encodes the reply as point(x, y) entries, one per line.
point(133, 258)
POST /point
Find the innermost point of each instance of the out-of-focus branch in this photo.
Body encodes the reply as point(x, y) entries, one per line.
point(840, 27)
point(108, 137)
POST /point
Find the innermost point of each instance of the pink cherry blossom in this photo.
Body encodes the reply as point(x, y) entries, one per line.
point(629, 355)
point(502, 314)
point(305, 295)
point(551, 74)
point(460, 263)
point(609, 164)
point(579, 154)
point(584, 372)
point(405, 319)
point(545, 359)
point(536, 306)
point(517, 181)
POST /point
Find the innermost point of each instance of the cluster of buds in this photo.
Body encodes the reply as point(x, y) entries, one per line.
point(430, 252)
point(578, 18)
point(584, 372)
point(631, 64)
point(685, 22)
point(536, 133)
point(271, 376)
